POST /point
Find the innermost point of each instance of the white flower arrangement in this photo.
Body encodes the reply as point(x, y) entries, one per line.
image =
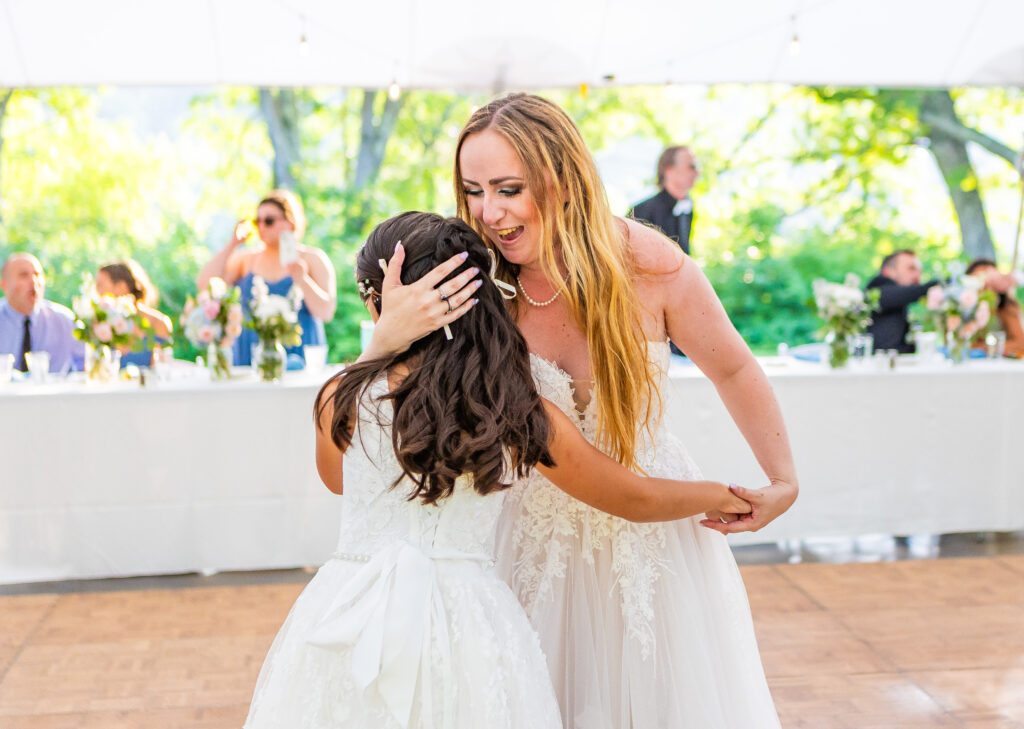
point(275, 318)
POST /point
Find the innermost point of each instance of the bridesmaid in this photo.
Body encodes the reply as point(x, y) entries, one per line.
point(128, 278)
point(311, 271)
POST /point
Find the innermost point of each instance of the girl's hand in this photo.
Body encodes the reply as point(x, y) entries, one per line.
point(409, 312)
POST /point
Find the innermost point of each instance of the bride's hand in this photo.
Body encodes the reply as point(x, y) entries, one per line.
point(766, 505)
point(409, 312)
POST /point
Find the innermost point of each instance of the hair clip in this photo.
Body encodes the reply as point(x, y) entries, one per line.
point(507, 291)
point(366, 288)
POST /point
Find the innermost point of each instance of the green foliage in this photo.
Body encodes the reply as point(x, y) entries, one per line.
point(795, 184)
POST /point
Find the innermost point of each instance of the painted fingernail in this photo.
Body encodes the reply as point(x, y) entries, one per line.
point(383, 265)
point(475, 302)
point(464, 255)
point(478, 283)
point(474, 271)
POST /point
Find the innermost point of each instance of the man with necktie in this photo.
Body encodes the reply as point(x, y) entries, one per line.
point(671, 210)
point(30, 323)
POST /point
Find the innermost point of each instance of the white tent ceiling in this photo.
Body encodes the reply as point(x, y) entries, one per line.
point(481, 44)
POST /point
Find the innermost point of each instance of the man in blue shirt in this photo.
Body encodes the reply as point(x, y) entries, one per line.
point(30, 323)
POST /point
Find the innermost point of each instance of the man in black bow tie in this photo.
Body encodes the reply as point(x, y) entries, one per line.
point(671, 209)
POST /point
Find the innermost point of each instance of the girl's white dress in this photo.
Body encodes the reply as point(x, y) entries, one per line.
point(408, 624)
point(645, 626)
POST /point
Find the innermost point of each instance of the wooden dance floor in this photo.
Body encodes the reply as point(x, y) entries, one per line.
point(936, 643)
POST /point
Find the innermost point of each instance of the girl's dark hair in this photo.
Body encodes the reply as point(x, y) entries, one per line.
point(467, 405)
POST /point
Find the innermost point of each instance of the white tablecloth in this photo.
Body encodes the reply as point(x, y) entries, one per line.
point(196, 476)
point(920, 450)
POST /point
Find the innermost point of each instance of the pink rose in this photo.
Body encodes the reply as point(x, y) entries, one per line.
point(968, 298)
point(234, 330)
point(211, 309)
point(935, 296)
point(953, 323)
point(983, 314)
point(235, 314)
point(122, 326)
point(103, 331)
point(206, 334)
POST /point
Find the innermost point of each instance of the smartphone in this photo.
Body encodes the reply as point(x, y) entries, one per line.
point(288, 247)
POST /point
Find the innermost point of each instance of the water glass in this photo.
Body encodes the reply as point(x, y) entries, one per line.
point(862, 347)
point(927, 344)
point(162, 358)
point(995, 343)
point(38, 365)
point(6, 368)
point(315, 356)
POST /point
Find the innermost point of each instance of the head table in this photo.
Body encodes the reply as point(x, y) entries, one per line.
point(194, 476)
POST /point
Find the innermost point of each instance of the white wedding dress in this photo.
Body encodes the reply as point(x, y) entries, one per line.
point(408, 625)
point(645, 626)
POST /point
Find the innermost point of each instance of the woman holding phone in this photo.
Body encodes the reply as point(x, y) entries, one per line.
point(282, 261)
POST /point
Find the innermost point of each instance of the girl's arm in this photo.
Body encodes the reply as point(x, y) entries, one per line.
point(328, 455)
point(590, 476)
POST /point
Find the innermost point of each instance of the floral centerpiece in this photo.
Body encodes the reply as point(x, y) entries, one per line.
point(846, 310)
point(959, 310)
point(106, 324)
point(275, 320)
point(213, 320)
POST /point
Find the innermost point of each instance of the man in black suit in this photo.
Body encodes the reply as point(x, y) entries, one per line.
point(671, 209)
point(899, 285)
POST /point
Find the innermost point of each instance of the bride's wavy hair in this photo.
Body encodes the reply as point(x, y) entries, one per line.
point(467, 405)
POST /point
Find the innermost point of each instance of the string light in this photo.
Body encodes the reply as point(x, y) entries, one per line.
point(394, 91)
point(303, 46)
point(794, 43)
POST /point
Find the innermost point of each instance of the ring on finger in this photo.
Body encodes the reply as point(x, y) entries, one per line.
point(443, 297)
point(449, 302)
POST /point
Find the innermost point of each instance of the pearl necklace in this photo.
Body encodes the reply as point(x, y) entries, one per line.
point(537, 303)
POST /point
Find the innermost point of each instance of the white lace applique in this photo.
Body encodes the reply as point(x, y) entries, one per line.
point(550, 524)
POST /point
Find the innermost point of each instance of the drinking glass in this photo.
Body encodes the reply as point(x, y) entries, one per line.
point(38, 365)
point(862, 347)
point(315, 356)
point(6, 368)
point(995, 343)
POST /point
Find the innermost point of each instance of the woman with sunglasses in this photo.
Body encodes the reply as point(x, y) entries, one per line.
point(311, 271)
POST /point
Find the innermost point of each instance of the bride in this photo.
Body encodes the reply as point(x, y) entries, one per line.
point(408, 625)
point(643, 625)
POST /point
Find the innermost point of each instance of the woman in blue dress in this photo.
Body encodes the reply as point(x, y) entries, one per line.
point(128, 278)
point(310, 270)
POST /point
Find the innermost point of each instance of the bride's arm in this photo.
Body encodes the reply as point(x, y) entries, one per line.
point(698, 324)
point(590, 476)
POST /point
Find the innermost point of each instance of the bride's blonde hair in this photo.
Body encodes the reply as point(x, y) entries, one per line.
point(583, 232)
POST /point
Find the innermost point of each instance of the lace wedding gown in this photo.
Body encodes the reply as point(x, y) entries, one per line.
point(408, 624)
point(645, 626)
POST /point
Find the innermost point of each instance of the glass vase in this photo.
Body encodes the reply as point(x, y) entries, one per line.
point(101, 363)
point(838, 349)
point(958, 348)
point(219, 359)
point(269, 360)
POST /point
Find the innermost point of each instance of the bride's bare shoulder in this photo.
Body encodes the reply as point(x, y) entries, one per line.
point(654, 254)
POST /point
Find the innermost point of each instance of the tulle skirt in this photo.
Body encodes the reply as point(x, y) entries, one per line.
point(645, 626)
point(482, 662)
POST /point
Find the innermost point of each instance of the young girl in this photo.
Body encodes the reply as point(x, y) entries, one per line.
point(408, 625)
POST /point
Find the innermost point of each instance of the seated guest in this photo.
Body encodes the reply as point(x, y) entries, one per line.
point(30, 323)
point(1008, 310)
point(127, 278)
point(311, 271)
point(899, 285)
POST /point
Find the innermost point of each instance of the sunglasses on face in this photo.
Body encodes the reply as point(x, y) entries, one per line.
point(267, 221)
